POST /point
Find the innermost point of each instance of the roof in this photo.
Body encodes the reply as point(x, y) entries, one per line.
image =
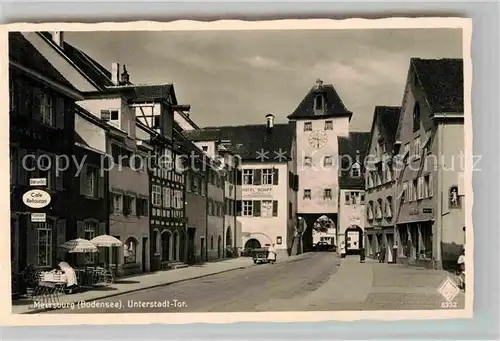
point(251, 142)
point(442, 81)
point(334, 107)
point(387, 117)
point(351, 149)
point(147, 92)
point(22, 52)
point(95, 71)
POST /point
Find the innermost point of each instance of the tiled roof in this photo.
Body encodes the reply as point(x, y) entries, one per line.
point(443, 83)
point(351, 149)
point(334, 107)
point(147, 92)
point(251, 141)
point(99, 75)
point(22, 52)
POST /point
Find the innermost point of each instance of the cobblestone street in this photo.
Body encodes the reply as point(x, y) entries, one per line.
point(320, 281)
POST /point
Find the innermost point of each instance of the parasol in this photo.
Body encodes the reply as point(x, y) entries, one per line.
point(78, 246)
point(106, 241)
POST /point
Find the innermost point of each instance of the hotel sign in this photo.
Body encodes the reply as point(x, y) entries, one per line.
point(257, 192)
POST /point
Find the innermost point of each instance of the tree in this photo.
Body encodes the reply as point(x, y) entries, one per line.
point(322, 225)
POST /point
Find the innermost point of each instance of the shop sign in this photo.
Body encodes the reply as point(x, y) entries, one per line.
point(38, 217)
point(36, 198)
point(427, 210)
point(257, 192)
point(38, 182)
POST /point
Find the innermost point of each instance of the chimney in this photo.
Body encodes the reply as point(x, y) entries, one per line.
point(269, 122)
point(115, 73)
point(58, 38)
point(125, 77)
point(319, 83)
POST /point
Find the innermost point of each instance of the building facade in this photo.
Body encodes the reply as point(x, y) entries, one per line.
point(319, 120)
point(380, 184)
point(351, 218)
point(430, 216)
point(41, 122)
point(268, 176)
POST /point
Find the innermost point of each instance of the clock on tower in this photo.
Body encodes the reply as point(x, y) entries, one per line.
point(318, 139)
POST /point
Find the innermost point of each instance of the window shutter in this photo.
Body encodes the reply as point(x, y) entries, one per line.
point(61, 236)
point(100, 183)
point(36, 95)
point(80, 229)
point(238, 207)
point(275, 208)
point(275, 177)
point(138, 207)
point(257, 177)
point(431, 186)
point(256, 208)
point(126, 204)
point(83, 182)
point(60, 113)
point(21, 172)
point(111, 202)
point(296, 182)
point(239, 177)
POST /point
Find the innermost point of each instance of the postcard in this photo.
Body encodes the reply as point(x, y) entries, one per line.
point(287, 170)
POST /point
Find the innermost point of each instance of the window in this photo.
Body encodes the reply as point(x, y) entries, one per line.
point(378, 209)
point(307, 126)
point(267, 176)
point(362, 199)
point(404, 192)
point(44, 243)
point(355, 170)
point(90, 233)
point(266, 208)
point(204, 148)
point(247, 208)
point(128, 204)
point(156, 195)
point(307, 161)
point(369, 210)
point(327, 161)
point(416, 117)
point(141, 208)
point(130, 251)
point(46, 109)
point(414, 190)
point(307, 194)
point(319, 103)
point(90, 180)
point(347, 198)
point(117, 202)
point(166, 197)
point(388, 208)
point(211, 242)
point(427, 186)
point(353, 198)
point(407, 151)
point(328, 125)
point(417, 148)
point(327, 194)
point(420, 189)
point(247, 176)
point(388, 173)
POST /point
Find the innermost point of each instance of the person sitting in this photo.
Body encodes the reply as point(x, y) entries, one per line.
point(71, 281)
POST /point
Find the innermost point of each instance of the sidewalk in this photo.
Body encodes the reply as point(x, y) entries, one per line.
point(148, 281)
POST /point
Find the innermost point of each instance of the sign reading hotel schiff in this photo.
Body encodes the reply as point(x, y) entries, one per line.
point(256, 192)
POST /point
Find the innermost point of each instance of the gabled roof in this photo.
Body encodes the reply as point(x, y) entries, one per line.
point(352, 149)
point(334, 107)
point(251, 142)
point(145, 92)
point(387, 118)
point(96, 72)
point(22, 52)
point(442, 81)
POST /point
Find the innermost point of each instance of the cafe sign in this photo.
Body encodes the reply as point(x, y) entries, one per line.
point(36, 198)
point(257, 192)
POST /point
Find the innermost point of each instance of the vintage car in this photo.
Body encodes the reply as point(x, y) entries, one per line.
point(260, 255)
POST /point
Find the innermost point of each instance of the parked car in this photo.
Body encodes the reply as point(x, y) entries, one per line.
point(323, 246)
point(260, 255)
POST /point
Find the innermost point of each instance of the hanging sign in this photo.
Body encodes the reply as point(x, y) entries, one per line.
point(38, 217)
point(38, 182)
point(36, 198)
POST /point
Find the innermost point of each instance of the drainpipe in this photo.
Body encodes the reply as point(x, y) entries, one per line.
point(439, 216)
point(206, 217)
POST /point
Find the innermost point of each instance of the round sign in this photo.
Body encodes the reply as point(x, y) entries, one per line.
point(36, 198)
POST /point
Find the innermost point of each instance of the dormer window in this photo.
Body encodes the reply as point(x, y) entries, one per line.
point(318, 103)
point(355, 170)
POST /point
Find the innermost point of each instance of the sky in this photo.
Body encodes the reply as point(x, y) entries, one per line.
point(237, 77)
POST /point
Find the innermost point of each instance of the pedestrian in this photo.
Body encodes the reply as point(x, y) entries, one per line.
point(362, 255)
point(271, 254)
point(381, 257)
point(461, 269)
point(342, 249)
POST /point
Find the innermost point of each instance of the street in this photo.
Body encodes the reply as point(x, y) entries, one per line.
point(319, 281)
